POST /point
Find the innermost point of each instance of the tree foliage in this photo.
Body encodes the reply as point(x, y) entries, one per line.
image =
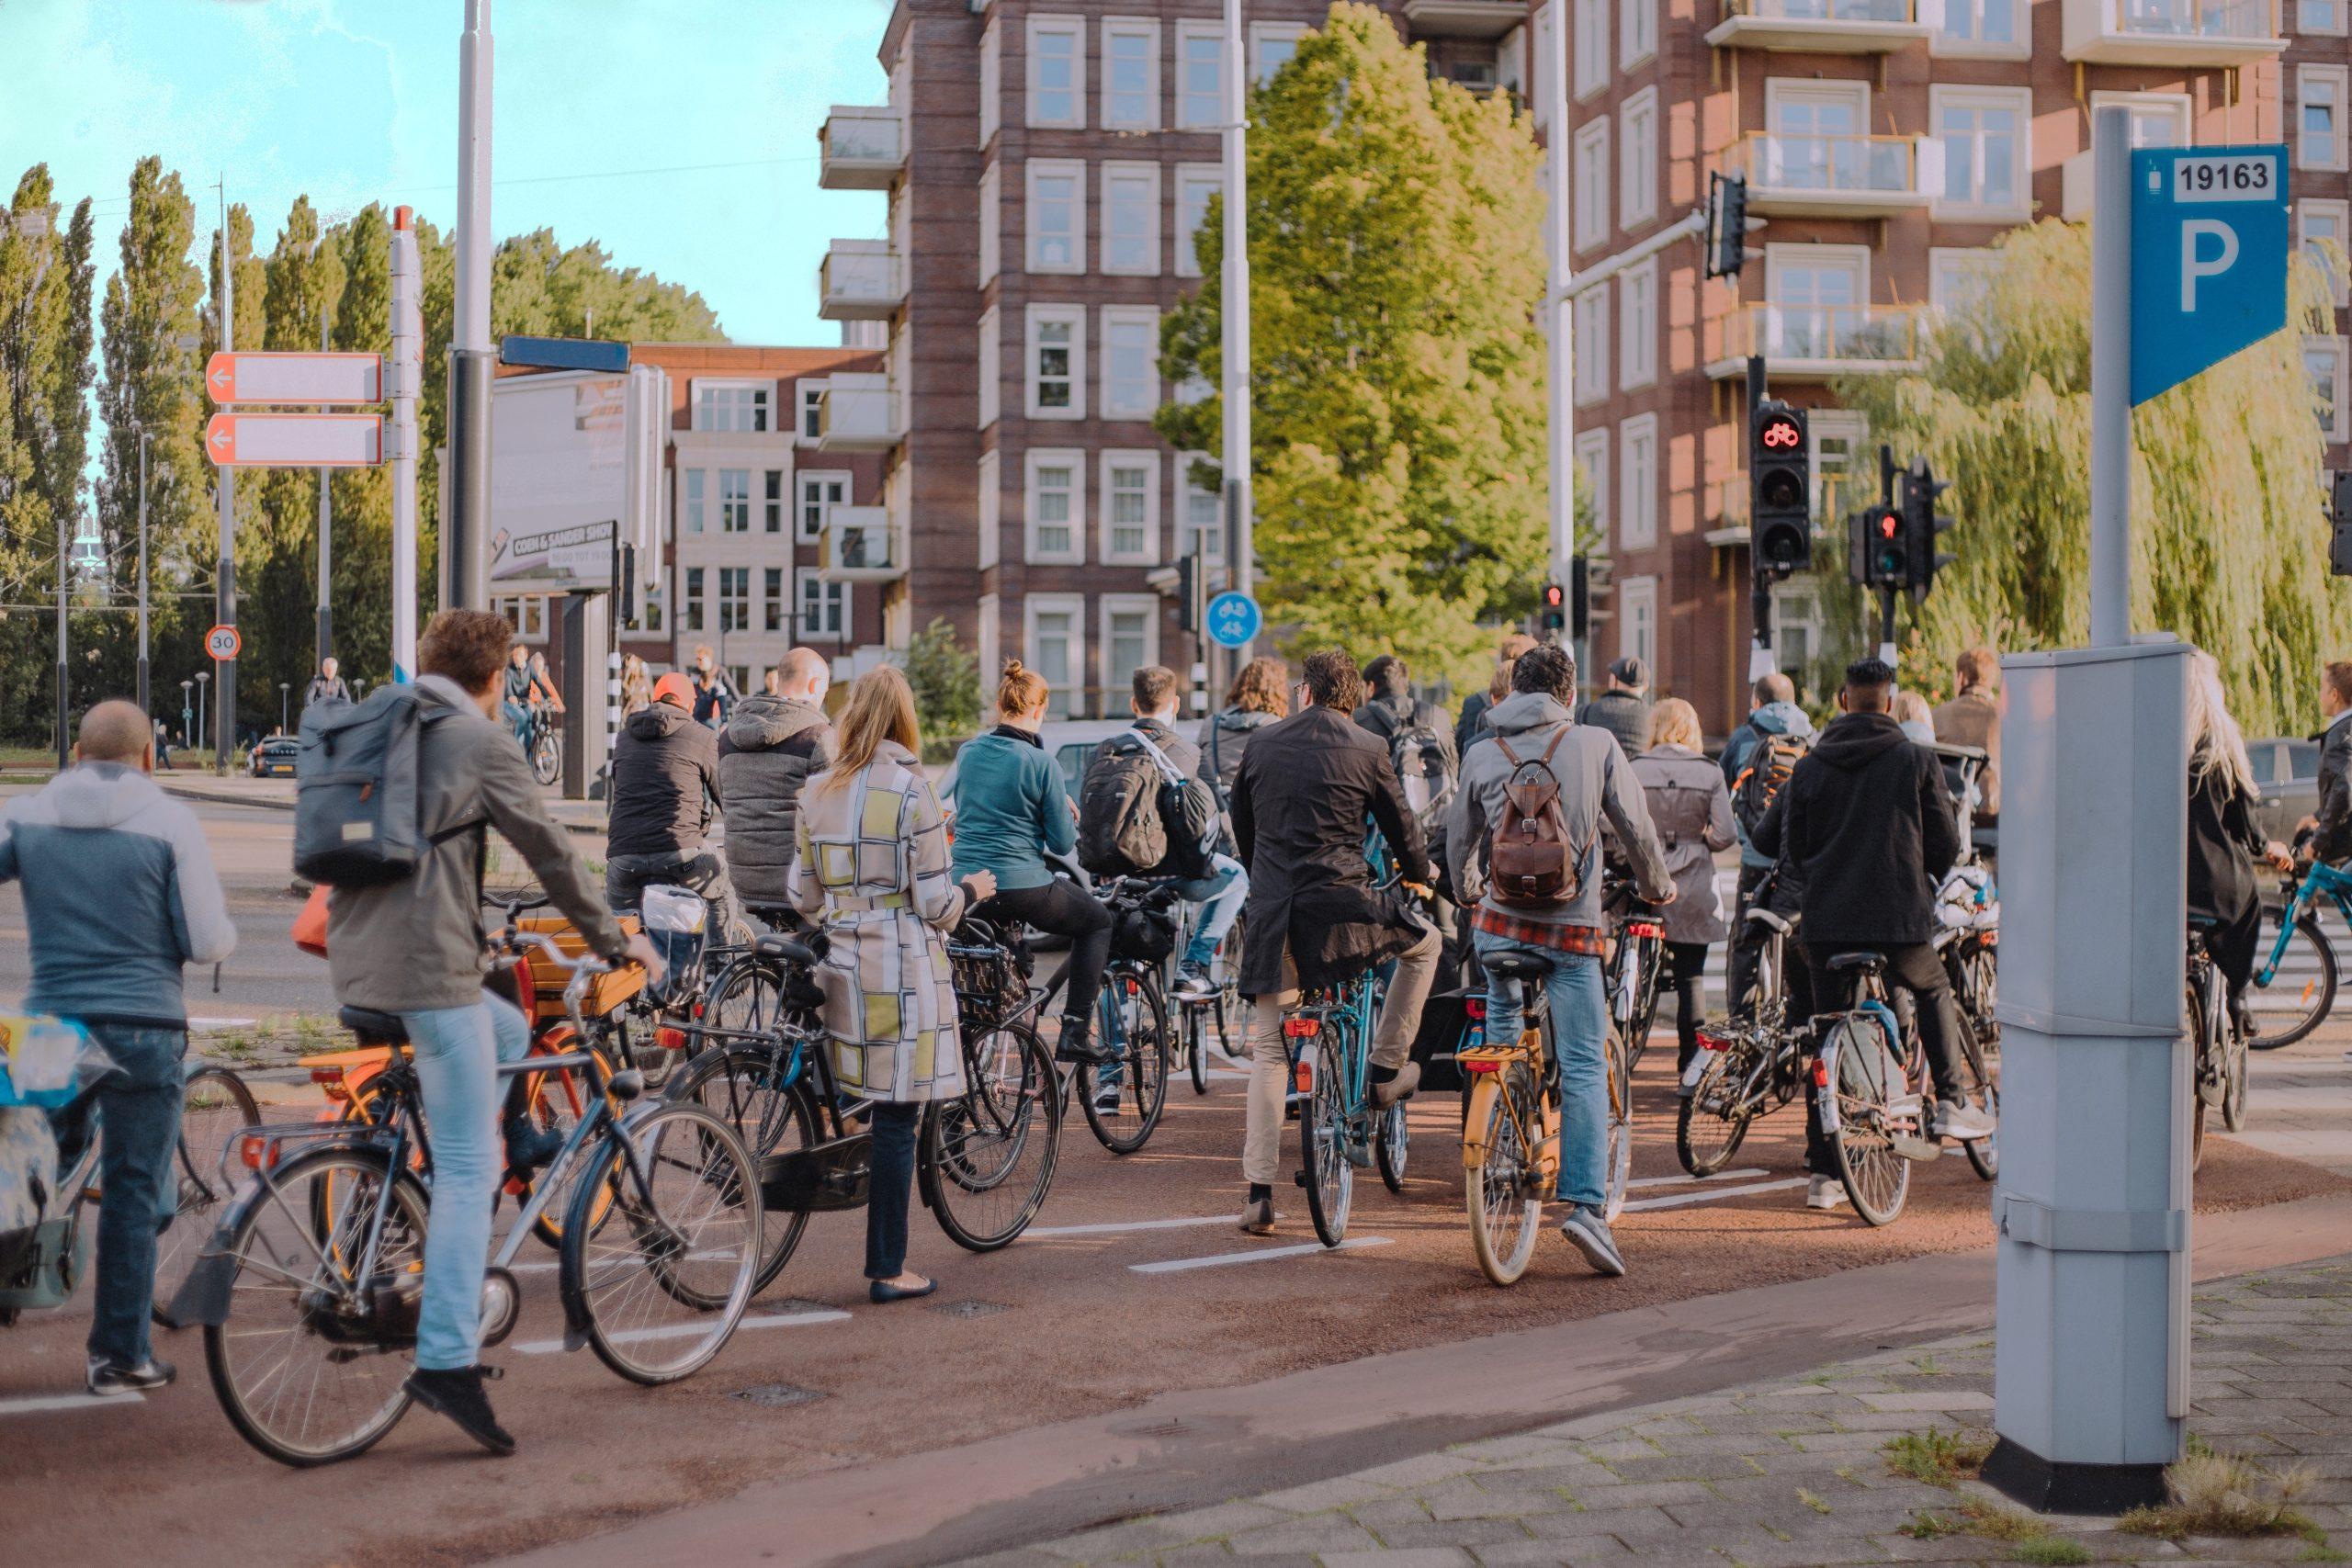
point(947, 682)
point(1398, 382)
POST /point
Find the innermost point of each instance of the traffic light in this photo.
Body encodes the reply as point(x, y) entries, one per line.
point(1780, 490)
point(1921, 525)
point(1555, 603)
point(1191, 610)
point(1726, 224)
point(2339, 544)
point(1580, 598)
point(1879, 555)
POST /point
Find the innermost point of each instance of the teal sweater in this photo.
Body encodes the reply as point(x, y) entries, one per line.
point(1010, 808)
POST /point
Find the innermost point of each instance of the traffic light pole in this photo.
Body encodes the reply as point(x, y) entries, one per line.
point(1761, 661)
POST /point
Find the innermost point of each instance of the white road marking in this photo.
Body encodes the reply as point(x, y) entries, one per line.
point(1686, 1181)
point(1710, 1195)
point(1219, 1260)
point(37, 1403)
point(680, 1330)
point(1112, 1229)
point(204, 1025)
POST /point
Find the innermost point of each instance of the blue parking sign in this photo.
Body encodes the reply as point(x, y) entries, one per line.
point(2209, 258)
point(1234, 620)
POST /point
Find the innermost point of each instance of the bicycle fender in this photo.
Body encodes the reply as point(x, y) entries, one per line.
point(1826, 1101)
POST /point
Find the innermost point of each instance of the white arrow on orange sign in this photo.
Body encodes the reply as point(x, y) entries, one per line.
point(295, 377)
point(294, 440)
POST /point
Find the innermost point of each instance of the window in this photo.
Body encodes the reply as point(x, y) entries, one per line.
point(1839, 436)
point(1056, 648)
point(1984, 135)
point(694, 616)
point(1959, 279)
point(1131, 219)
point(2316, 221)
point(991, 81)
point(1588, 46)
point(771, 502)
point(991, 224)
point(824, 610)
point(820, 493)
point(1539, 74)
point(1637, 160)
point(1590, 322)
point(1590, 170)
point(1818, 294)
point(1056, 362)
point(1130, 641)
point(1194, 185)
point(992, 632)
point(1131, 508)
point(1130, 356)
point(774, 605)
point(1056, 72)
point(1055, 506)
point(1811, 122)
point(2158, 120)
point(991, 484)
point(1200, 75)
point(1203, 531)
point(2326, 359)
point(1637, 324)
point(649, 609)
point(1796, 629)
point(1592, 457)
point(526, 614)
point(1636, 31)
point(693, 509)
point(1130, 73)
point(1981, 26)
point(2319, 116)
point(734, 500)
point(1637, 468)
point(991, 371)
point(734, 598)
point(1637, 621)
point(731, 406)
point(2320, 17)
point(1271, 46)
point(1056, 217)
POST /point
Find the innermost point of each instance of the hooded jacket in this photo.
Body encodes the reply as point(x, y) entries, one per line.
point(1772, 718)
point(1386, 712)
point(1625, 714)
point(664, 791)
point(1866, 821)
point(119, 893)
point(1222, 744)
point(766, 752)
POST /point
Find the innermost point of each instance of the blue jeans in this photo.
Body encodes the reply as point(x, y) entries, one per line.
point(457, 1053)
point(1222, 892)
point(892, 1190)
point(1580, 1042)
point(138, 1112)
point(518, 719)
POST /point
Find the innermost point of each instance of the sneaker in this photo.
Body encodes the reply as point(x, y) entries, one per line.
point(1106, 1098)
point(456, 1393)
point(1401, 1087)
point(105, 1378)
point(1964, 1121)
point(1195, 983)
point(1257, 1218)
point(1587, 1232)
point(1824, 1192)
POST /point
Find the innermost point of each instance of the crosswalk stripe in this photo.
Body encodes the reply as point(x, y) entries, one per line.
point(1262, 1255)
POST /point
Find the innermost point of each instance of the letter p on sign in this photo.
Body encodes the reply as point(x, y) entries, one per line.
point(2194, 267)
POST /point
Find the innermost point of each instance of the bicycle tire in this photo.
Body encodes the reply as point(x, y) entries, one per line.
point(2200, 1045)
point(1700, 1154)
point(215, 1106)
point(1196, 1045)
point(2311, 1002)
point(546, 756)
point(376, 1374)
point(1503, 1190)
point(1648, 977)
point(1392, 1146)
point(1983, 1154)
point(699, 1204)
point(1323, 1136)
point(557, 1101)
point(1620, 1146)
point(1876, 1179)
point(2235, 1085)
point(746, 996)
point(973, 1146)
point(738, 1085)
point(1144, 1080)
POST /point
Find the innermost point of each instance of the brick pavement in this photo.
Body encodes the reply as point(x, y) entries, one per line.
point(1792, 1473)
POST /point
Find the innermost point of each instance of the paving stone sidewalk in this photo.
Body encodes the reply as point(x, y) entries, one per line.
point(1794, 1472)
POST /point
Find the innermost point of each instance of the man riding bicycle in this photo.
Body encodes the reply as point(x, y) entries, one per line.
point(664, 798)
point(1555, 778)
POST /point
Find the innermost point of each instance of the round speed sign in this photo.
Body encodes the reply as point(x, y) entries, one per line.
point(222, 643)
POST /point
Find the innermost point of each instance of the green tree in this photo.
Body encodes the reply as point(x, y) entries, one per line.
point(1398, 381)
point(947, 682)
point(2229, 537)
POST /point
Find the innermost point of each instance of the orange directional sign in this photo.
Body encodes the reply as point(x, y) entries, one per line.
point(295, 377)
point(294, 440)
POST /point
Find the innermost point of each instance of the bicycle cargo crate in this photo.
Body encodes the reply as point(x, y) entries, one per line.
point(990, 986)
point(606, 992)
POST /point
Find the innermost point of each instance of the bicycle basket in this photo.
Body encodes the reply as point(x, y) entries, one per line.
point(990, 984)
point(1142, 933)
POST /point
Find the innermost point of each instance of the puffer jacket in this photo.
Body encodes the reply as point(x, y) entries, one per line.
point(766, 752)
point(1690, 809)
point(1865, 820)
point(664, 788)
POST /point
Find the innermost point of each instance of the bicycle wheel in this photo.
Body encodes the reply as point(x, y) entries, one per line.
point(558, 1100)
point(1132, 1012)
point(1649, 974)
point(2234, 1071)
point(1391, 1144)
point(987, 1157)
point(1710, 1124)
point(1504, 1190)
point(547, 755)
point(747, 997)
point(1619, 1148)
point(660, 1292)
point(743, 1087)
point(309, 1364)
point(1196, 1044)
point(2201, 1045)
point(215, 1106)
point(2301, 990)
point(1983, 1154)
point(1323, 1138)
point(1876, 1177)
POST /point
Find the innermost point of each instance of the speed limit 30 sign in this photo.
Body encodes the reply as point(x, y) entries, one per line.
point(222, 643)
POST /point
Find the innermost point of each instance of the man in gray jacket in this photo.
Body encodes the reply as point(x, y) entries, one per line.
point(1531, 729)
point(119, 894)
point(772, 743)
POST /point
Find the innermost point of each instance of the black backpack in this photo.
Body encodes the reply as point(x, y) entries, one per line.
point(1761, 780)
point(355, 789)
point(1425, 767)
point(1138, 817)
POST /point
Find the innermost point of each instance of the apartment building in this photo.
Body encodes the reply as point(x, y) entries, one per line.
point(2317, 79)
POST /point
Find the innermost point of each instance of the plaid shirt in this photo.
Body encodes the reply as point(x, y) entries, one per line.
point(1587, 940)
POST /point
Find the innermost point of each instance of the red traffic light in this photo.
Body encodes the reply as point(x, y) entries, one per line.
point(1780, 433)
point(1554, 596)
point(1887, 523)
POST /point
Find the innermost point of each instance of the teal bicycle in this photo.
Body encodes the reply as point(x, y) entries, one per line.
point(1328, 1039)
point(2294, 985)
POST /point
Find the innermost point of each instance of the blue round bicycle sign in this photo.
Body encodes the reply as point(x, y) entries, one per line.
point(1235, 620)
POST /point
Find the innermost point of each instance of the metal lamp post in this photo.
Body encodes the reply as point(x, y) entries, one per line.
point(188, 712)
point(203, 677)
point(283, 689)
point(143, 439)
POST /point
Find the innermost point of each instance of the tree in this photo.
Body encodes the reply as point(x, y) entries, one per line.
point(2229, 537)
point(1398, 382)
point(947, 683)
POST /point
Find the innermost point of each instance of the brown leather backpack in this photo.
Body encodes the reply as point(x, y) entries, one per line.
point(1531, 862)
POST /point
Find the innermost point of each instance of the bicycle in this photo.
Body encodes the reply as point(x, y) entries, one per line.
point(2220, 1071)
point(1123, 1100)
point(2297, 950)
point(543, 743)
point(1225, 1008)
point(1339, 1130)
point(1636, 968)
point(324, 1249)
point(1751, 1067)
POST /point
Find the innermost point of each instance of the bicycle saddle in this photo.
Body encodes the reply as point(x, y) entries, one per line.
point(789, 949)
point(383, 1028)
point(1515, 967)
point(1859, 964)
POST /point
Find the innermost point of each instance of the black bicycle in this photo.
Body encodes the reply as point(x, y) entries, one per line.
point(1636, 968)
point(1123, 1099)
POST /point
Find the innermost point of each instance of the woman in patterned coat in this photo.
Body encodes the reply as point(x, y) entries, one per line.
point(871, 863)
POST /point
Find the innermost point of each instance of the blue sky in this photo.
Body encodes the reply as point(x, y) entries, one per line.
point(355, 100)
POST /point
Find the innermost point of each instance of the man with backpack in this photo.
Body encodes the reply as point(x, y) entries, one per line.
point(1420, 742)
point(1524, 837)
point(404, 936)
point(1623, 708)
point(1757, 762)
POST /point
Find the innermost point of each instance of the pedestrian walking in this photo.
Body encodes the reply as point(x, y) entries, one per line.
point(1690, 808)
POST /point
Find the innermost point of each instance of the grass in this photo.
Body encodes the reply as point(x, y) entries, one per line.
point(1937, 1457)
point(1817, 1505)
point(2225, 1494)
point(2052, 1549)
point(274, 1041)
point(2033, 1541)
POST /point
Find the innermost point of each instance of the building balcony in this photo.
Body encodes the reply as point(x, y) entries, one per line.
point(1819, 27)
point(1462, 18)
point(2179, 33)
point(860, 545)
point(1819, 343)
point(858, 412)
point(861, 148)
point(1836, 176)
point(860, 280)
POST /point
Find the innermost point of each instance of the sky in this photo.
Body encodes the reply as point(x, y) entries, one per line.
point(681, 134)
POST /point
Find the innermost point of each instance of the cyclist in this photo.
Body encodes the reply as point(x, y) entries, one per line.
point(2331, 830)
point(1301, 802)
point(714, 694)
point(772, 743)
point(662, 797)
point(327, 686)
point(119, 894)
point(543, 692)
point(413, 947)
point(516, 696)
point(1623, 708)
point(1756, 760)
point(1690, 809)
point(1973, 717)
point(2223, 843)
point(1534, 734)
point(1260, 694)
point(1472, 726)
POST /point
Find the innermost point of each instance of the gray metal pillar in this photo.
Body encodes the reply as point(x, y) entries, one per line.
point(1240, 548)
point(225, 709)
point(404, 377)
point(464, 527)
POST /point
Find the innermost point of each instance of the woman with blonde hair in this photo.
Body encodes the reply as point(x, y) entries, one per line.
point(637, 685)
point(871, 866)
point(2223, 843)
point(1691, 808)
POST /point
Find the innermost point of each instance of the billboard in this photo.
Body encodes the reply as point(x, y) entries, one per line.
point(576, 467)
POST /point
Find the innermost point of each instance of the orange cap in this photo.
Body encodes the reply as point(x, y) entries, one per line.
point(675, 689)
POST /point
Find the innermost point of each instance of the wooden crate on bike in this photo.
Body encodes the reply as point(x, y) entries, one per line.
point(607, 992)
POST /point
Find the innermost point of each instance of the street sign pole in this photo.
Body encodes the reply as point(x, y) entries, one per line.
point(465, 530)
point(1761, 661)
point(406, 376)
point(1559, 316)
point(143, 439)
point(224, 483)
point(1239, 543)
point(2110, 380)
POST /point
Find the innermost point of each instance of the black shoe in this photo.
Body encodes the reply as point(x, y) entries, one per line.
point(881, 1292)
point(1077, 1044)
point(1194, 983)
point(105, 1378)
point(456, 1393)
point(528, 1147)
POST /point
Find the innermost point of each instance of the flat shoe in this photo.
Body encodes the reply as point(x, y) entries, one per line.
point(882, 1292)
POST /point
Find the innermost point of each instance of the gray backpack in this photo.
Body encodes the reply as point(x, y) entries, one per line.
point(354, 790)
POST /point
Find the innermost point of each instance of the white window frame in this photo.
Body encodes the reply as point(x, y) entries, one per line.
point(818, 481)
point(989, 636)
point(2341, 348)
point(991, 516)
point(1189, 178)
point(1637, 628)
point(2322, 18)
point(691, 605)
point(1189, 107)
point(734, 606)
point(762, 406)
point(992, 222)
point(1637, 337)
point(1636, 32)
point(2307, 208)
point(1592, 450)
point(2338, 82)
point(734, 510)
point(1943, 95)
point(776, 501)
point(1073, 170)
point(1947, 263)
point(527, 613)
point(991, 82)
point(1590, 322)
point(1636, 503)
point(992, 366)
point(1056, 25)
point(829, 597)
point(1147, 318)
point(1588, 47)
point(1147, 28)
point(776, 603)
point(1187, 491)
point(1038, 457)
point(1073, 316)
point(1781, 92)
point(1827, 425)
point(1110, 604)
point(693, 500)
point(1262, 34)
point(1071, 693)
point(1637, 159)
point(2175, 108)
point(1148, 459)
point(1110, 177)
point(1539, 63)
point(2018, 46)
point(1797, 614)
point(1590, 172)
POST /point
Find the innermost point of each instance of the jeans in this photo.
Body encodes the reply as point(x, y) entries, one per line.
point(1221, 894)
point(518, 719)
point(1580, 1007)
point(138, 1112)
point(892, 1190)
point(457, 1052)
point(628, 877)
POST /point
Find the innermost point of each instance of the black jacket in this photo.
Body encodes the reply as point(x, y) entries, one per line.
point(765, 755)
point(664, 788)
point(2333, 840)
point(2223, 844)
point(1472, 726)
point(1222, 742)
point(1309, 790)
point(1867, 823)
point(1625, 714)
point(1386, 716)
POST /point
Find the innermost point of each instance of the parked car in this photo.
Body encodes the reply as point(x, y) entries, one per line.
point(273, 757)
point(2286, 769)
point(1073, 742)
